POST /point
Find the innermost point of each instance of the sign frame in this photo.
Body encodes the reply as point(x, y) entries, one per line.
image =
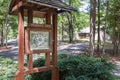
point(39, 28)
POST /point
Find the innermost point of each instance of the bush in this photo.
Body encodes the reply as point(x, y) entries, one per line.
point(78, 68)
point(84, 68)
point(42, 75)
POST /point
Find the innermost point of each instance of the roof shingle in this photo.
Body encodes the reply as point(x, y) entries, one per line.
point(53, 3)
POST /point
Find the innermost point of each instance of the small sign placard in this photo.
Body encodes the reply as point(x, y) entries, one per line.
point(39, 40)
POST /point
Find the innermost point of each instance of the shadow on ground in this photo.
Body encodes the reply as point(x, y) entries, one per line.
point(12, 53)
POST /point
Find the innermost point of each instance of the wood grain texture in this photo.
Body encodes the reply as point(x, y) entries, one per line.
point(55, 72)
point(20, 76)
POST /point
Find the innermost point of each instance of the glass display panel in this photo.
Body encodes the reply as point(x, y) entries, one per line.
point(39, 40)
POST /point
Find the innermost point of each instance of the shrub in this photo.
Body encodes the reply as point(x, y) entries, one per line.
point(85, 68)
point(78, 68)
point(42, 75)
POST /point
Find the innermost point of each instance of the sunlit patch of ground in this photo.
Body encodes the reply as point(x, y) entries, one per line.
point(5, 48)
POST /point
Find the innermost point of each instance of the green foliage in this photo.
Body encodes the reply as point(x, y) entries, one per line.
point(70, 67)
point(8, 24)
point(78, 68)
point(114, 11)
point(12, 27)
point(37, 63)
point(71, 23)
point(7, 69)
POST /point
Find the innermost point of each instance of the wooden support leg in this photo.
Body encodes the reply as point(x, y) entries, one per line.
point(47, 55)
point(20, 73)
point(30, 61)
point(55, 72)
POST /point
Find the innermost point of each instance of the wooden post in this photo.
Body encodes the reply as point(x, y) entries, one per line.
point(47, 55)
point(20, 73)
point(30, 55)
point(30, 17)
point(55, 72)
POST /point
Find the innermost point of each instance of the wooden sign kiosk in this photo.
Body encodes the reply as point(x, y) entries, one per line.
point(30, 41)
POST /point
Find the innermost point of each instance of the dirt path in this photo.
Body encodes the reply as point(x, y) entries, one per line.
point(116, 72)
point(10, 53)
point(75, 48)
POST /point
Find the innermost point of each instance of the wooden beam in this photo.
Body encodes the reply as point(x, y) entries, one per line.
point(47, 55)
point(30, 21)
point(11, 4)
point(39, 69)
point(30, 61)
point(55, 72)
point(55, 39)
point(48, 18)
point(30, 16)
point(30, 55)
point(39, 14)
point(20, 74)
point(44, 9)
point(34, 8)
point(17, 6)
point(40, 9)
point(47, 63)
point(27, 50)
point(40, 27)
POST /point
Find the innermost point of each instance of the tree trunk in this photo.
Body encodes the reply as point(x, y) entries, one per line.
point(70, 20)
point(98, 42)
point(2, 37)
point(6, 29)
point(105, 27)
point(92, 24)
point(70, 33)
point(70, 24)
point(116, 35)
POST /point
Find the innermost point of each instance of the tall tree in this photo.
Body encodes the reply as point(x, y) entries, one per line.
point(74, 21)
point(114, 22)
point(7, 23)
point(106, 24)
point(92, 25)
point(98, 42)
point(116, 33)
point(71, 18)
point(3, 19)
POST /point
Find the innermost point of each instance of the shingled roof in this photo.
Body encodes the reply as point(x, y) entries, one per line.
point(53, 3)
point(39, 6)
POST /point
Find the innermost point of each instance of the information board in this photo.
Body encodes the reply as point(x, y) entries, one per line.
point(39, 40)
